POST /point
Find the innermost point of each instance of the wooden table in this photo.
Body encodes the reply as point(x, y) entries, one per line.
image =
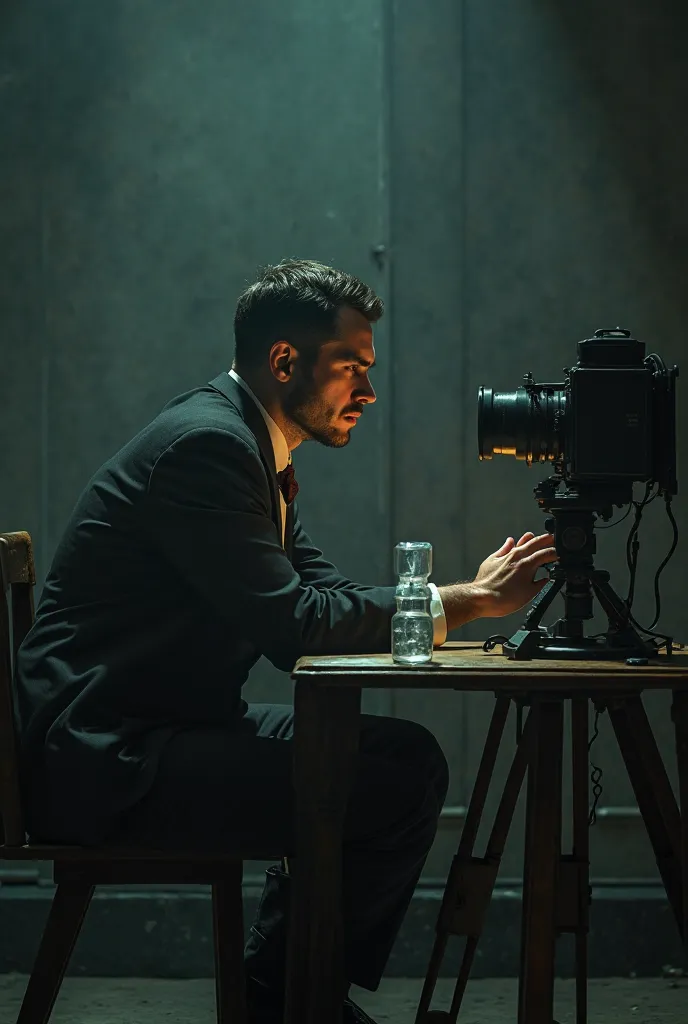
point(555, 894)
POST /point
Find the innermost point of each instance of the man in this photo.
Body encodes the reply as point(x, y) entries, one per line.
point(184, 561)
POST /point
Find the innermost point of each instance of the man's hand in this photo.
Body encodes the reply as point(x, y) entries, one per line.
point(505, 580)
point(504, 583)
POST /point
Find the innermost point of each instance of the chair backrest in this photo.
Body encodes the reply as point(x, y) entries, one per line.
point(17, 581)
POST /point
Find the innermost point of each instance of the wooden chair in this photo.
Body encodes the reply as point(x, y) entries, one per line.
point(77, 870)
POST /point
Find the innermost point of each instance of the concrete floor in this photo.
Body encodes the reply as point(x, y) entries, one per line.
point(136, 1001)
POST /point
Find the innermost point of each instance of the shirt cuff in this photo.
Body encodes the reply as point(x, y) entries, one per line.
point(439, 621)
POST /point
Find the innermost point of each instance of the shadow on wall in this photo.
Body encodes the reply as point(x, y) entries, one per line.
point(631, 59)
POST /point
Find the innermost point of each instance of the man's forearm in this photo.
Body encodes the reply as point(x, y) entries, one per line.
point(462, 602)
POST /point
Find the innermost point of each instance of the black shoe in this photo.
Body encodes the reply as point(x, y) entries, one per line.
point(264, 1007)
point(353, 1014)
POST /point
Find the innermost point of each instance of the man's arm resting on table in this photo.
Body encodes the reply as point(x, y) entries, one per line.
point(315, 570)
point(462, 602)
point(504, 582)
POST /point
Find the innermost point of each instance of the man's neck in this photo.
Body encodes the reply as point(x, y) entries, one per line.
point(267, 398)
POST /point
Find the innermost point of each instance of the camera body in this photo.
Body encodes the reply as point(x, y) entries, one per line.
point(611, 422)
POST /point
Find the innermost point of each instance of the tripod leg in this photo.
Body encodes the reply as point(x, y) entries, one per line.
point(471, 879)
point(654, 767)
point(493, 854)
point(488, 760)
point(581, 848)
point(452, 893)
point(542, 602)
point(524, 643)
point(653, 792)
point(679, 713)
point(613, 606)
point(542, 858)
point(616, 610)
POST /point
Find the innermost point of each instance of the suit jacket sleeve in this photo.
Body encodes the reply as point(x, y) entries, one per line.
point(208, 512)
point(312, 566)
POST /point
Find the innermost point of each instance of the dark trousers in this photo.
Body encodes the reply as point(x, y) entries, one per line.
point(233, 785)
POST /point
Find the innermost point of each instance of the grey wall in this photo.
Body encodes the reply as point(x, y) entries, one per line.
point(524, 164)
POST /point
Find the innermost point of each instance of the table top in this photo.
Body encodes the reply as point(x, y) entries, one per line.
point(465, 666)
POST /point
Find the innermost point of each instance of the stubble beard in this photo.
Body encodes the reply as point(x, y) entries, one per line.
point(311, 414)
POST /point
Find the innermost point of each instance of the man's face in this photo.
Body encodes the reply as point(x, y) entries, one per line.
point(325, 400)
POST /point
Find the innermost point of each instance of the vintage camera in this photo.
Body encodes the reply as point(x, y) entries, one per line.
point(612, 421)
point(610, 424)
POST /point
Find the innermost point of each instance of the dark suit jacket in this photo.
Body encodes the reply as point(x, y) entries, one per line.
point(169, 582)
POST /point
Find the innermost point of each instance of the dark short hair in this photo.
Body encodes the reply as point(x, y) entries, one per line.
point(297, 301)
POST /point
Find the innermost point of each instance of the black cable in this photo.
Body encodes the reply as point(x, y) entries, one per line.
point(492, 641)
point(624, 516)
point(633, 545)
point(674, 545)
point(660, 365)
point(595, 773)
point(652, 633)
point(632, 550)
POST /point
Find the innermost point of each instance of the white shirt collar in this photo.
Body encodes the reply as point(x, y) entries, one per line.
point(279, 441)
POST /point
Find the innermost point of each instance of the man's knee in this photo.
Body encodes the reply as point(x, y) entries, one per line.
point(412, 744)
point(432, 755)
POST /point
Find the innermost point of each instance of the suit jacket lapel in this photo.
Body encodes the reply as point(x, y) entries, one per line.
point(289, 532)
point(252, 417)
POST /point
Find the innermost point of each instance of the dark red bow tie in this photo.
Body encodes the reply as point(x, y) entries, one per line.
point(287, 484)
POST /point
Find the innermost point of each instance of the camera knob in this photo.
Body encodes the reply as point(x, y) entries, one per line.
point(574, 538)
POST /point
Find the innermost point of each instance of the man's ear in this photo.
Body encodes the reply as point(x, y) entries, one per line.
point(282, 360)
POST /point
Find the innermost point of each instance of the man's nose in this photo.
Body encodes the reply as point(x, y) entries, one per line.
point(366, 393)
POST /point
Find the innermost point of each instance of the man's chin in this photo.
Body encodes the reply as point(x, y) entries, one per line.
point(332, 438)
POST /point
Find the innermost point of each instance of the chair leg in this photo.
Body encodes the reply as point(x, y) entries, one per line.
point(62, 928)
point(228, 931)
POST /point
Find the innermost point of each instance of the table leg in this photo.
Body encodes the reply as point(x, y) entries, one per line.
point(541, 871)
point(653, 793)
point(326, 733)
point(581, 848)
point(679, 713)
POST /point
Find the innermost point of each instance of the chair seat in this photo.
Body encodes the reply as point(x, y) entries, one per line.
point(111, 865)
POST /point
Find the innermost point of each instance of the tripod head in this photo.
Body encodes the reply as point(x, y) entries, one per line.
point(573, 514)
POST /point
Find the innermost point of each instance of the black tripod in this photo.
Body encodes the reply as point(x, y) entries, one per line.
point(576, 575)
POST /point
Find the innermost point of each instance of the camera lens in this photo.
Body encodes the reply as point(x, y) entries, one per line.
point(527, 423)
